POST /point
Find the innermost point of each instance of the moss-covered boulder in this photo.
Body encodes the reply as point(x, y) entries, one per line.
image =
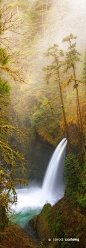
point(41, 225)
point(62, 225)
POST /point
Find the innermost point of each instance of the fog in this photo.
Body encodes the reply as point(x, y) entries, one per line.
point(66, 17)
point(61, 18)
point(69, 17)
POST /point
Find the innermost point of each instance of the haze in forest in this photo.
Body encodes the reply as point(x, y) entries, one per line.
point(42, 25)
point(68, 17)
point(63, 18)
point(43, 100)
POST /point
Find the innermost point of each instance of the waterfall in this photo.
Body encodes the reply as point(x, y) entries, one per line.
point(53, 183)
point(53, 186)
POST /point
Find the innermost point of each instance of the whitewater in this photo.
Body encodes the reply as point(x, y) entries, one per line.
point(53, 187)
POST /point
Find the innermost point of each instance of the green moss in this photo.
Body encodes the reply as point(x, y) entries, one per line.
point(63, 220)
point(57, 229)
point(46, 210)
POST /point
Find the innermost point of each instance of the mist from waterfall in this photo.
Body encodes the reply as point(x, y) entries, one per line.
point(32, 198)
point(53, 184)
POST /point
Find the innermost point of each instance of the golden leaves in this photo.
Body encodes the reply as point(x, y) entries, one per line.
point(67, 82)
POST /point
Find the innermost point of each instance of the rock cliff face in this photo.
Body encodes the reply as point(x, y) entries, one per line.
point(62, 225)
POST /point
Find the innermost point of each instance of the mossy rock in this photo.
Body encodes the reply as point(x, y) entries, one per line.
point(46, 209)
point(42, 228)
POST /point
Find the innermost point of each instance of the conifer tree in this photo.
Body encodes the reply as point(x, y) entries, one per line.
point(73, 56)
point(54, 70)
point(84, 69)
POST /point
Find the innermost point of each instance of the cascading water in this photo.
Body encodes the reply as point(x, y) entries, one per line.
point(53, 184)
point(32, 199)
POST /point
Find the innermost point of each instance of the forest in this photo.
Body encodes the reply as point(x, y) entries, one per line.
point(42, 101)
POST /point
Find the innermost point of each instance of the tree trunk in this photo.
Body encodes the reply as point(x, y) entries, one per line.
point(64, 115)
point(79, 117)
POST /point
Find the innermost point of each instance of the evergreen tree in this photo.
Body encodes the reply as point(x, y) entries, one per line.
point(73, 56)
point(71, 169)
point(54, 70)
point(84, 69)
